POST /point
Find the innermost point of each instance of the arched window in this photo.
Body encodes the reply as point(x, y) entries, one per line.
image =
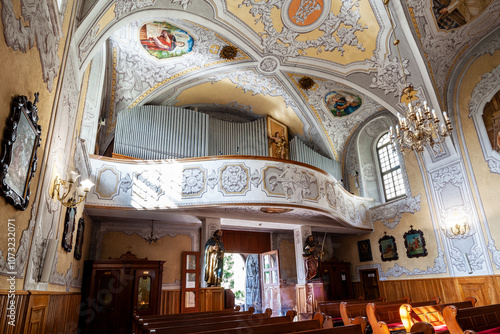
point(390, 170)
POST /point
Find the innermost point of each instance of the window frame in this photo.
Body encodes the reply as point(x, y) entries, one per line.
point(380, 174)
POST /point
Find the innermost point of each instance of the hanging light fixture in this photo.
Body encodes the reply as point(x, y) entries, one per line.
point(152, 237)
point(419, 126)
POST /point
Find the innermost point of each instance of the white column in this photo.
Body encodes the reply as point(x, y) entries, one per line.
point(300, 235)
point(208, 227)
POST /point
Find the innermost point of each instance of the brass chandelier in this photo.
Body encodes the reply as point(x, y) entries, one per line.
point(419, 126)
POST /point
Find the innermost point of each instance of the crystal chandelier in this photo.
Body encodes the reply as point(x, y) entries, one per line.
point(419, 126)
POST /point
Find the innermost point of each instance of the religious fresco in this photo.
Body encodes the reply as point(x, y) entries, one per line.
point(342, 103)
point(451, 14)
point(164, 40)
point(491, 119)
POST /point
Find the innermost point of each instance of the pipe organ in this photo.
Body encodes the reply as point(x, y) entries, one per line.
point(163, 132)
point(302, 153)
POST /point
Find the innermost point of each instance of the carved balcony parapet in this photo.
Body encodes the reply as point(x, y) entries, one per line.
point(228, 181)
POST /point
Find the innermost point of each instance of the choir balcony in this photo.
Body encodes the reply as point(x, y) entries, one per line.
point(251, 188)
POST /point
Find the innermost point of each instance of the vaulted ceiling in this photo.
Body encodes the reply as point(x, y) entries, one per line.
point(346, 47)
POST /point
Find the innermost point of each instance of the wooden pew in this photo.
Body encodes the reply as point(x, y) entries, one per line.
point(349, 311)
point(138, 321)
point(251, 321)
point(187, 322)
point(432, 314)
point(332, 308)
point(388, 314)
point(287, 327)
point(472, 320)
point(351, 329)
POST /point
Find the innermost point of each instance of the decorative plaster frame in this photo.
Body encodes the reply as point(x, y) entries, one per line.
point(483, 92)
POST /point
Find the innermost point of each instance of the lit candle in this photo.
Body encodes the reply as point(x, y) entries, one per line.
point(434, 114)
point(425, 106)
point(73, 176)
point(391, 130)
point(446, 119)
point(397, 131)
point(410, 108)
point(443, 129)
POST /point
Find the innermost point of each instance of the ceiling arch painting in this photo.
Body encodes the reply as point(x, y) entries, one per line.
point(345, 47)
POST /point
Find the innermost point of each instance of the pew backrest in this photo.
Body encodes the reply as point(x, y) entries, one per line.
point(351, 311)
point(195, 327)
point(473, 319)
point(432, 314)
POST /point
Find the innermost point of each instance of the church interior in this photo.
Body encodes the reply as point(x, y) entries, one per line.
point(335, 150)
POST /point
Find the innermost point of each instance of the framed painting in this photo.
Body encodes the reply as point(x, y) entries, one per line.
point(278, 139)
point(69, 226)
point(415, 243)
point(388, 249)
point(20, 143)
point(79, 238)
point(364, 250)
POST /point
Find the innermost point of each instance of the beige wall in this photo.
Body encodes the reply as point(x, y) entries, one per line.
point(168, 249)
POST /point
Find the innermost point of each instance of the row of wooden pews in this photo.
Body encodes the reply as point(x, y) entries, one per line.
point(234, 322)
point(427, 317)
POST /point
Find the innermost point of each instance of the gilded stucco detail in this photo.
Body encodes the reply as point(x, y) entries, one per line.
point(443, 48)
point(234, 179)
point(193, 181)
point(338, 30)
point(337, 129)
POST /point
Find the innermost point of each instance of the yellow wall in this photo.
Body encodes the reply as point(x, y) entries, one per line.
point(488, 183)
point(169, 249)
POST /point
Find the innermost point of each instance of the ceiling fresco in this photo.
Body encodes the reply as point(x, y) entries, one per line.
point(169, 54)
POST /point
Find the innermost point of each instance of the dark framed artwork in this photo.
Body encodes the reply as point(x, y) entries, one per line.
point(364, 250)
point(388, 248)
point(20, 143)
point(69, 226)
point(79, 238)
point(415, 243)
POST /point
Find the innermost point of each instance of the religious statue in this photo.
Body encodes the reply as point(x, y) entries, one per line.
point(214, 259)
point(280, 142)
point(312, 255)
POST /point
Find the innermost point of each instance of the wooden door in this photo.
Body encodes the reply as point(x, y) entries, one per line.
point(269, 267)
point(190, 291)
point(253, 295)
point(106, 299)
point(369, 283)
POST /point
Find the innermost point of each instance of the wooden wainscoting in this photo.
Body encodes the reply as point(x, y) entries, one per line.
point(486, 289)
point(170, 302)
point(40, 312)
point(211, 299)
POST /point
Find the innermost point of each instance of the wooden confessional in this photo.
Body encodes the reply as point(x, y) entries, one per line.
point(113, 290)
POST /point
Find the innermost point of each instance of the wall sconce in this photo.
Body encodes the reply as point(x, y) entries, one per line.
point(456, 224)
point(78, 194)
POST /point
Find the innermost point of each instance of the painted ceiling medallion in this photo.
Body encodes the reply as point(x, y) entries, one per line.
point(228, 52)
point(342, 103)
point(164, 40)
point(275, 210)
point(304, 15)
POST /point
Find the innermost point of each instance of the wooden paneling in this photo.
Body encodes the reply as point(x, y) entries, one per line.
point(41, 312)
point(211, 299)
point(246, 242)
point(486, 289)
point(21, 305)
point(170, 302)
